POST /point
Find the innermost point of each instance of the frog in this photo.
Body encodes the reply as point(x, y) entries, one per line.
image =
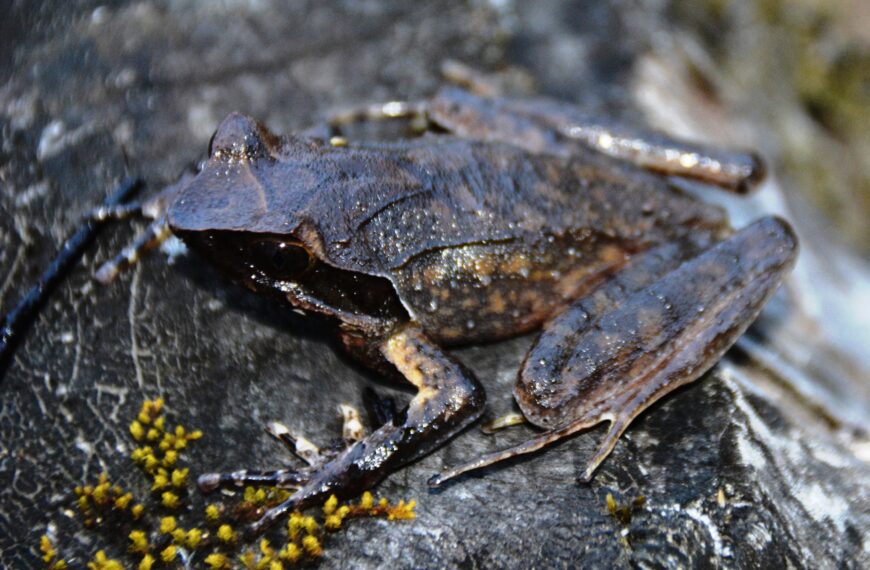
point(501, 217)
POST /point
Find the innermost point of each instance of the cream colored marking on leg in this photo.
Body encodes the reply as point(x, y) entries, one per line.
point(402, 356)
point(400, 351)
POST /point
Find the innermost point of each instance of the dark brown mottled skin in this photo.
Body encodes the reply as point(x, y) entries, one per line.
point(521, 215)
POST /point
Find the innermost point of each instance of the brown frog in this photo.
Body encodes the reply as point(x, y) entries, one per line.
point(510, 215)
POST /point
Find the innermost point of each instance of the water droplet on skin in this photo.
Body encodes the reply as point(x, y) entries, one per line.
point(470, 324)
point(433, 305)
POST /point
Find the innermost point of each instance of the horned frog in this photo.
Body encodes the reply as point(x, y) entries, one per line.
point(510, 215)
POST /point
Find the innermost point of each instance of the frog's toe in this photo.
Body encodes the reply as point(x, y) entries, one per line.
point(529, 446)
point(502, 422)
point(282, 478)
point(352, 429)
point(297, 444)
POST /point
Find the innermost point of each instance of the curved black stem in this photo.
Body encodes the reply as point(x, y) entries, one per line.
point(19, 318)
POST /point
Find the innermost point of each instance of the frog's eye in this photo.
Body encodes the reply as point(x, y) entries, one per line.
point(280, 259)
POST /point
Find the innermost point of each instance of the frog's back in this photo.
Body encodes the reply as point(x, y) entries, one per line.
point(398, 202)
point(484, 241)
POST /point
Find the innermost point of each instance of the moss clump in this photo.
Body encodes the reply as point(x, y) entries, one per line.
point(157, 533)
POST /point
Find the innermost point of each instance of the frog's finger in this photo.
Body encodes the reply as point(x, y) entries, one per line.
point(413, 111)
point(157, 233)
point(299, 445)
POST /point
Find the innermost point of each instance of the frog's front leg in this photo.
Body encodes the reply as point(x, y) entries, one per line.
point(612, 355)
point(447, 400)
point(156, 233)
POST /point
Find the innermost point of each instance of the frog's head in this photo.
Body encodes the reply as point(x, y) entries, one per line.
point(247, 213)
point(239, 212)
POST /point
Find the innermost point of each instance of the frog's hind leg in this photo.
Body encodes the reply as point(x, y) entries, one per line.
point(730, 170)
point(602, 361)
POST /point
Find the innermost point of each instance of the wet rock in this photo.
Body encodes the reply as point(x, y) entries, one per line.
point(736, 470)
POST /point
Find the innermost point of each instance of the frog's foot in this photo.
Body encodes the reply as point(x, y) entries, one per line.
point(549, 126)
point(609, 361)
point(618, 425)
point(448, 399)
point(300, 446)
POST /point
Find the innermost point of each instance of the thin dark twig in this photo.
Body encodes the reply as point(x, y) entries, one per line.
point(19, 318)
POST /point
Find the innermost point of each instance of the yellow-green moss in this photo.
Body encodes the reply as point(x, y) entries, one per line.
point(155, 538)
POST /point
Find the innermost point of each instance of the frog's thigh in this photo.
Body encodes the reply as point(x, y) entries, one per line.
point(656, 339)
point(661, 337)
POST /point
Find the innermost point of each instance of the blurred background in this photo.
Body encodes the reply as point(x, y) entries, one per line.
point(92, 91)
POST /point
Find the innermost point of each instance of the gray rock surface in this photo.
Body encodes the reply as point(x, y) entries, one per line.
point(753, 466)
